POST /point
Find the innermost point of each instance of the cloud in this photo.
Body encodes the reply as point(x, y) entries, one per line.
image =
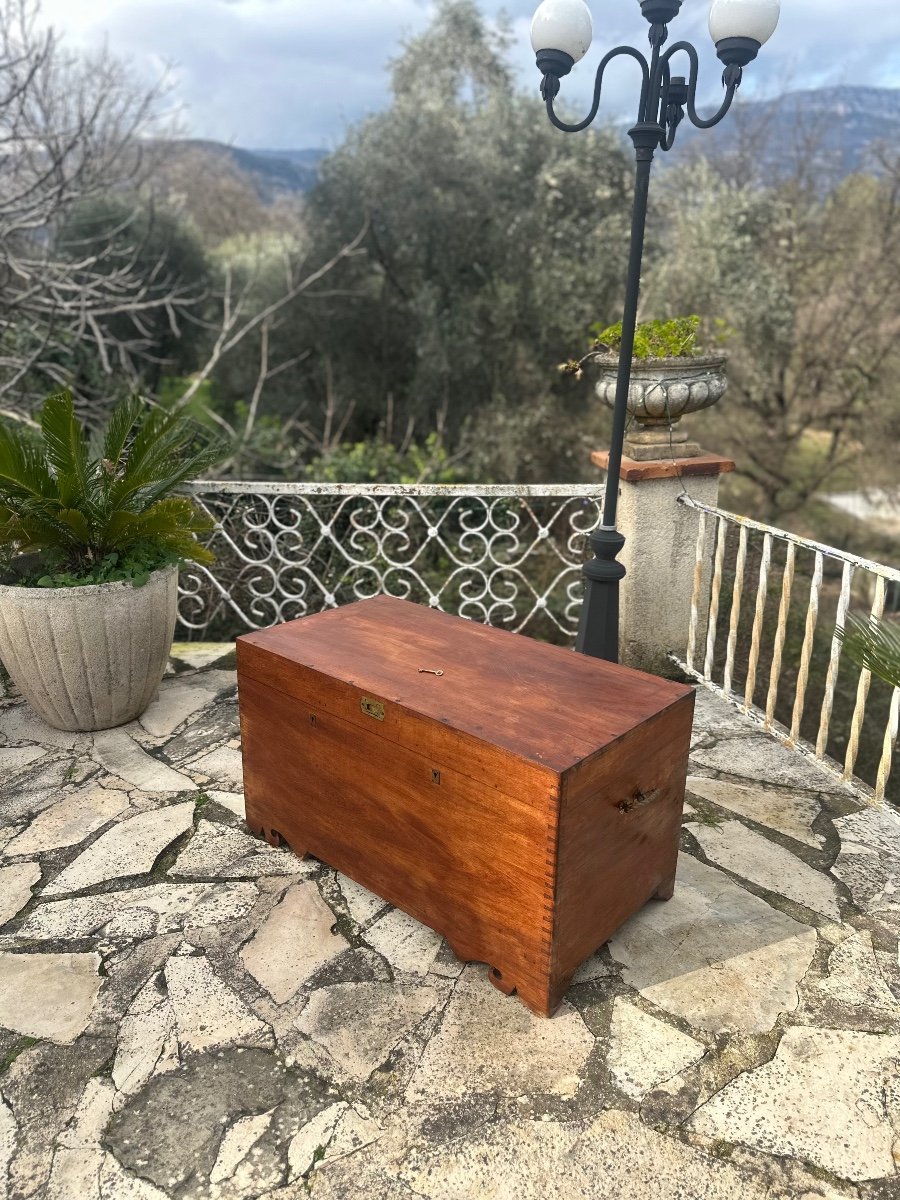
point(817, 43)
point(829, 41)
point(293, 73)
point(265, 73)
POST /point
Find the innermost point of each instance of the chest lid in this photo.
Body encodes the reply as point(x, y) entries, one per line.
point(542, 703)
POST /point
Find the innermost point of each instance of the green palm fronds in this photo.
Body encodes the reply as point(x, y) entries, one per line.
point(66, 452)
point(75, 503)
point(24, 473)
point(874, 646)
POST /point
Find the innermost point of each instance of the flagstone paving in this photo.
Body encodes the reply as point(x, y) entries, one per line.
point(186, 1012)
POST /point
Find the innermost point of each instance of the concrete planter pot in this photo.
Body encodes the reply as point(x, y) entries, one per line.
point(661, 392)
point(89, 657)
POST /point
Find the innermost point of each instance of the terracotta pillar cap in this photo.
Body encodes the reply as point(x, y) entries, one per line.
point(666, 468)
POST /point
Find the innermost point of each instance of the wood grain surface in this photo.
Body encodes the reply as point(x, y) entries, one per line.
point(523, 804)
point(454, 854)
point(620, 820)
point(543, 703)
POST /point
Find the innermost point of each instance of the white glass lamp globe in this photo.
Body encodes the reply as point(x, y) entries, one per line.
point(755, 19)
point(562, 25)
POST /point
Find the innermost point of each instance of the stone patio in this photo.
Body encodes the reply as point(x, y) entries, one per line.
point(186, 1012)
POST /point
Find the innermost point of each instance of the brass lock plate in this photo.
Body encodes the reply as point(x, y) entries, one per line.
point(372, 708)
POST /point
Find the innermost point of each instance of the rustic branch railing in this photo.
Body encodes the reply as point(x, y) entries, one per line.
point(505, 555)
point(798, 646)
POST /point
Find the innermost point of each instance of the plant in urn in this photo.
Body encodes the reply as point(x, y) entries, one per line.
point(670, 376)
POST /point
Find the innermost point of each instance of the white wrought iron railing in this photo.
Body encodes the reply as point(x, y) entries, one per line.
point(778, 660)
point(762, 632)
point(509, 555)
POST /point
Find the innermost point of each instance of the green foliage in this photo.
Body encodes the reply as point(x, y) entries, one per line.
point(806, 282)
point(874, 646)
point(490, 240)
point(134, 566)
point(126, 234)
point(92, 512)
point(379, 461)
point(172, 387)
point(675, 338)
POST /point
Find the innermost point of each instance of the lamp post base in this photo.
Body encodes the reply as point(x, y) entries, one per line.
point(598, 629)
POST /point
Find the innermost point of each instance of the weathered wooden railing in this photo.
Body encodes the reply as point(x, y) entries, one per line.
point(779, 659)
point(507, 555)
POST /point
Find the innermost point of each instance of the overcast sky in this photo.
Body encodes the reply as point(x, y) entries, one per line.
point(294, 73)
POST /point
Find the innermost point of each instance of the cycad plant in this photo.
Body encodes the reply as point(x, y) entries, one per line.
point(874, 646)
point(75, 510)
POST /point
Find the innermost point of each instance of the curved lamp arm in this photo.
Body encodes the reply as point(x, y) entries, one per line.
point(732, 79)
point(671, 107)
point(598, 84)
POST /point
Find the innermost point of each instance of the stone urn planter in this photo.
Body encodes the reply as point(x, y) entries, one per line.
point(661, 392)
point(92, 533)
point(89, 657)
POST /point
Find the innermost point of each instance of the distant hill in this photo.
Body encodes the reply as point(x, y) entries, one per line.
point(273, 173)
point(835, 129)
point(310, 158)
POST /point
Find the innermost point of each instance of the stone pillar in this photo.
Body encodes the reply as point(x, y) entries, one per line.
point(660, 552)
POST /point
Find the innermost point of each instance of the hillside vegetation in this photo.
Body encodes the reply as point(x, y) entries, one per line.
point(398, 310)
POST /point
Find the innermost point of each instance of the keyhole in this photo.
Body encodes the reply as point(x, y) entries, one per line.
point(435, 776)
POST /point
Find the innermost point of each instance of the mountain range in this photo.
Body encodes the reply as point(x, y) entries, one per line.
point(836, 127)
point(273, 173)
point(836, 130)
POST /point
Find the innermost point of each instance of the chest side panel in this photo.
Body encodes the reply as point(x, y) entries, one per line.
point(620, 823)
point(454, 852)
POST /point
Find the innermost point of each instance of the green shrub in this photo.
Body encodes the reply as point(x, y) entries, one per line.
point(379, 461)
point(75, 511)
point(654, 339)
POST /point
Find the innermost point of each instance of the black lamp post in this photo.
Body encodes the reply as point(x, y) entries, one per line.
point(561, 34)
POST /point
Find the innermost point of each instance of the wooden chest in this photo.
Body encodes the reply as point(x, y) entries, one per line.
point(522, 800)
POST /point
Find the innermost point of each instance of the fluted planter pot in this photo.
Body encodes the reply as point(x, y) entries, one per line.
point(662, 391)
point(89, 657)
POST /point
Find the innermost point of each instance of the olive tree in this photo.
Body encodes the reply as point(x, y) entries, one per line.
point(492, 243)
point(804, 289)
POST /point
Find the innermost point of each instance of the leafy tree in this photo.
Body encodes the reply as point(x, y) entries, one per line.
point(492, 240)
point(213, 197)
point(138, 343)
point(809, 288)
